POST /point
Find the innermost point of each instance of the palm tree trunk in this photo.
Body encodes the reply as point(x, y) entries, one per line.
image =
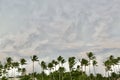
point(94, 70)
point(70, 75)
point(33, 70)
point(43, 75)
point(59, 72)
point(89, 67)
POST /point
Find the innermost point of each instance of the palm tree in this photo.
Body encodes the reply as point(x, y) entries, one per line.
point(53, 62)
point(90, 57)
point(107, 65)
point(50, 66)
point(59, 59)
point(84, 63)
point(71, 62)
point(9, 63)
point(62, 62)
point(61, 70)
point(34, 58)
point(43, 66)
point(15, 65)
point(111, 59)
point(22, 62)
point(94, 63)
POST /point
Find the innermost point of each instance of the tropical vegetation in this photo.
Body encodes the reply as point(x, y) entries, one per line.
point(78, 69)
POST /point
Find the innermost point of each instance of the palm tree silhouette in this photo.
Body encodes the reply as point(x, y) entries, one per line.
point(84, 63)
point(9, 63)
point(54, 65)
point(71, 62)
point(107, 65)
point(22, 62)
point(15, 65)
point(94, 63)
point(43, 66)
point(33, 59)
point(59, 59)
point(61, 70)
point(90, 56)
point(50, 66)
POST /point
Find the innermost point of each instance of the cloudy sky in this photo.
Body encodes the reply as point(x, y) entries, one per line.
point(49, 28)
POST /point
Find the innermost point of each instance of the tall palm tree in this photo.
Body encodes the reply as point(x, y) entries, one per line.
point(80, 66)
point(112, 60)
point(56, 63)
point(53, 62)
point(94, 63)
point(107, 65)
point(43, 66)
point(62, 62)
point(34, 58)
point(15, 65)
point(84, 63)
point(50, 66)
point(22, 62)
point(61, 70)
point(71, 62)
point(9, 63)
point(59, 59)
point(90, 56)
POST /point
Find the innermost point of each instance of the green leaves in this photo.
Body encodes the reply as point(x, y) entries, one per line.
point(71, 62)
point(34, 58)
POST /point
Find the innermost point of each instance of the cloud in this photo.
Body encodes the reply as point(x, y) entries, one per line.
point(67, 28)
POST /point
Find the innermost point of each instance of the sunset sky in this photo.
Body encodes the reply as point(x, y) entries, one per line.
point(49, 28)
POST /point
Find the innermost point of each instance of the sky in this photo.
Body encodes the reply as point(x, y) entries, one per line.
point(49, 28)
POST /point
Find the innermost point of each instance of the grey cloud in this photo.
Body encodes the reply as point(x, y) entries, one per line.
point(59, 27)
point(6, 43)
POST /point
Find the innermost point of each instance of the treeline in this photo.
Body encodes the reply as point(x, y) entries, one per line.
point(57, 70)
